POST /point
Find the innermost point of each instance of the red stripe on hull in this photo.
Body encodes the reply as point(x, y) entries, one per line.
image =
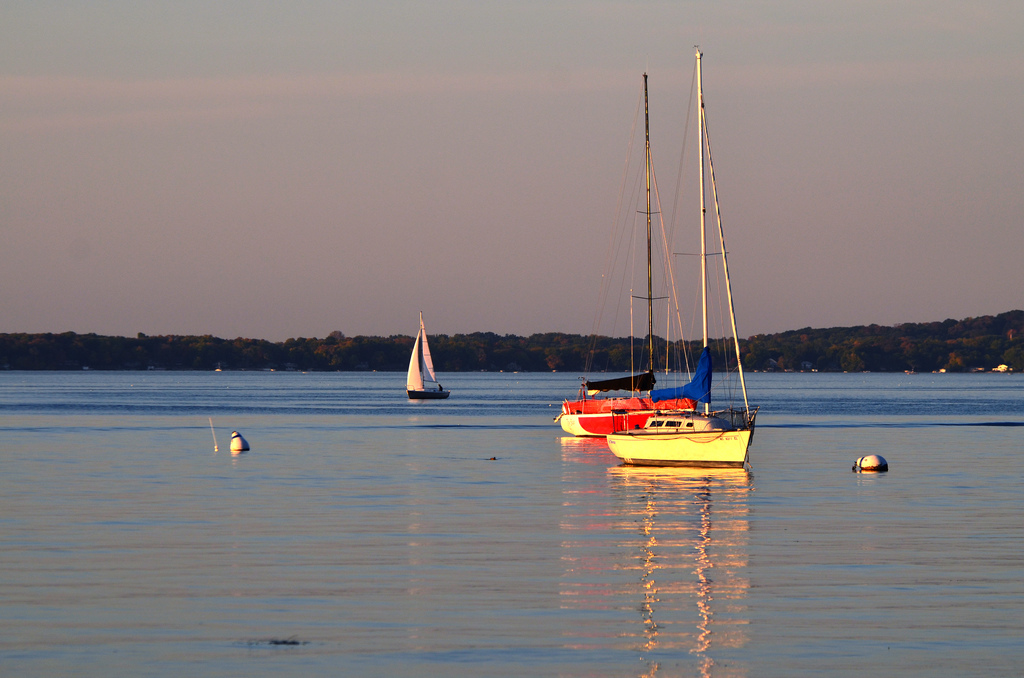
point(599, 417)
point(605, 423)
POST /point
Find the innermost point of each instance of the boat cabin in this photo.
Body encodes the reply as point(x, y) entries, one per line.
point(686, 422)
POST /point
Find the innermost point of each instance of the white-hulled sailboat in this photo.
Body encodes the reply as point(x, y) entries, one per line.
point(421, 384)
point(695, 437)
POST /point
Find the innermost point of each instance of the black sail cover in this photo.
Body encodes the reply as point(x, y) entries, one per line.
point(637, 382)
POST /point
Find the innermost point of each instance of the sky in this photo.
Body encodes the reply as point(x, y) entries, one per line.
point(274, 170)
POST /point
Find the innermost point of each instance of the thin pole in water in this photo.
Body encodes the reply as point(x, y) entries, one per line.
point(214, 434)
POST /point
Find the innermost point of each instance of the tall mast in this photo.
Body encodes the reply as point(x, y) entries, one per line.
point(703, 211)
point(650, 288)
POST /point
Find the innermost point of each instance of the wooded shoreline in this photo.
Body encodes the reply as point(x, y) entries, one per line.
point(970, 344)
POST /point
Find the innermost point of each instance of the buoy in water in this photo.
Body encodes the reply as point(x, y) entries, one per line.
point(872, 463)
point(238, 443)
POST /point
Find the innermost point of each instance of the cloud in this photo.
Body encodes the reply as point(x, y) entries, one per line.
point(46, 103)
point(40, 104)
point(900, 72)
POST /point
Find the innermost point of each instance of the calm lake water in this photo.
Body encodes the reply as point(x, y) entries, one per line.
point(365, 534)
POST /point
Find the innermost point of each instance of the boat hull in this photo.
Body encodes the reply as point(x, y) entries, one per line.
point(428, 395)
point(603, 423)
point(599, 417)
point(706, 449)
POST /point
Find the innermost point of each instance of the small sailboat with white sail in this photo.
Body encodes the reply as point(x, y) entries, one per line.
point(696, 437)
point(421, 383)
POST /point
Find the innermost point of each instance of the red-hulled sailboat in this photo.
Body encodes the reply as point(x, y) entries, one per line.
point(596, 416)
point(588, 415)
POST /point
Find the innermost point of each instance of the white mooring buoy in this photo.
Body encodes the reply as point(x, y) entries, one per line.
point(872, 463)
point(238, 443)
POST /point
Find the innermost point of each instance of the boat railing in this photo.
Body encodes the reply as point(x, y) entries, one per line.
point(738, 418)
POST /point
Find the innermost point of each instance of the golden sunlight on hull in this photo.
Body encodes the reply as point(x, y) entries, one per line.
point(712, 449)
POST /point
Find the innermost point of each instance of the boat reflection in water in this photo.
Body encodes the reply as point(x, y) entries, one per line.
point(669, 543)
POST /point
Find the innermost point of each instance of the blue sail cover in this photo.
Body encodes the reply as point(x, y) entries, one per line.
point(699, 387)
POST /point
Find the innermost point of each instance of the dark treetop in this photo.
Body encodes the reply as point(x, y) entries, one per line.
point(954, 345)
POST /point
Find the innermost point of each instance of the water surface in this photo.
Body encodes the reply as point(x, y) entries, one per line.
point(365, 534)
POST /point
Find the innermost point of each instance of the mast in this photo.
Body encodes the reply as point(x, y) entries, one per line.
point(703, 212)
point(721, 239)
point(650, 288)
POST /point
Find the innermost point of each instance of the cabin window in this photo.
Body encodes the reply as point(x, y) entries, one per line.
point(673, 423)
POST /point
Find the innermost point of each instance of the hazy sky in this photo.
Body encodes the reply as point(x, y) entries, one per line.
point(275, 170)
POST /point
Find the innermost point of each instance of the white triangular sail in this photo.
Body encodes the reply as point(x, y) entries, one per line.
point(429, 379)
point(414, 382)
point(421, 367)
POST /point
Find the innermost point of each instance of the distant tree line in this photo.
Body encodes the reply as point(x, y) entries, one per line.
point(953, 345)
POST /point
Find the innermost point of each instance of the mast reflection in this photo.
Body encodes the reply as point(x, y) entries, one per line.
point(693, 540)
point(675, 549)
